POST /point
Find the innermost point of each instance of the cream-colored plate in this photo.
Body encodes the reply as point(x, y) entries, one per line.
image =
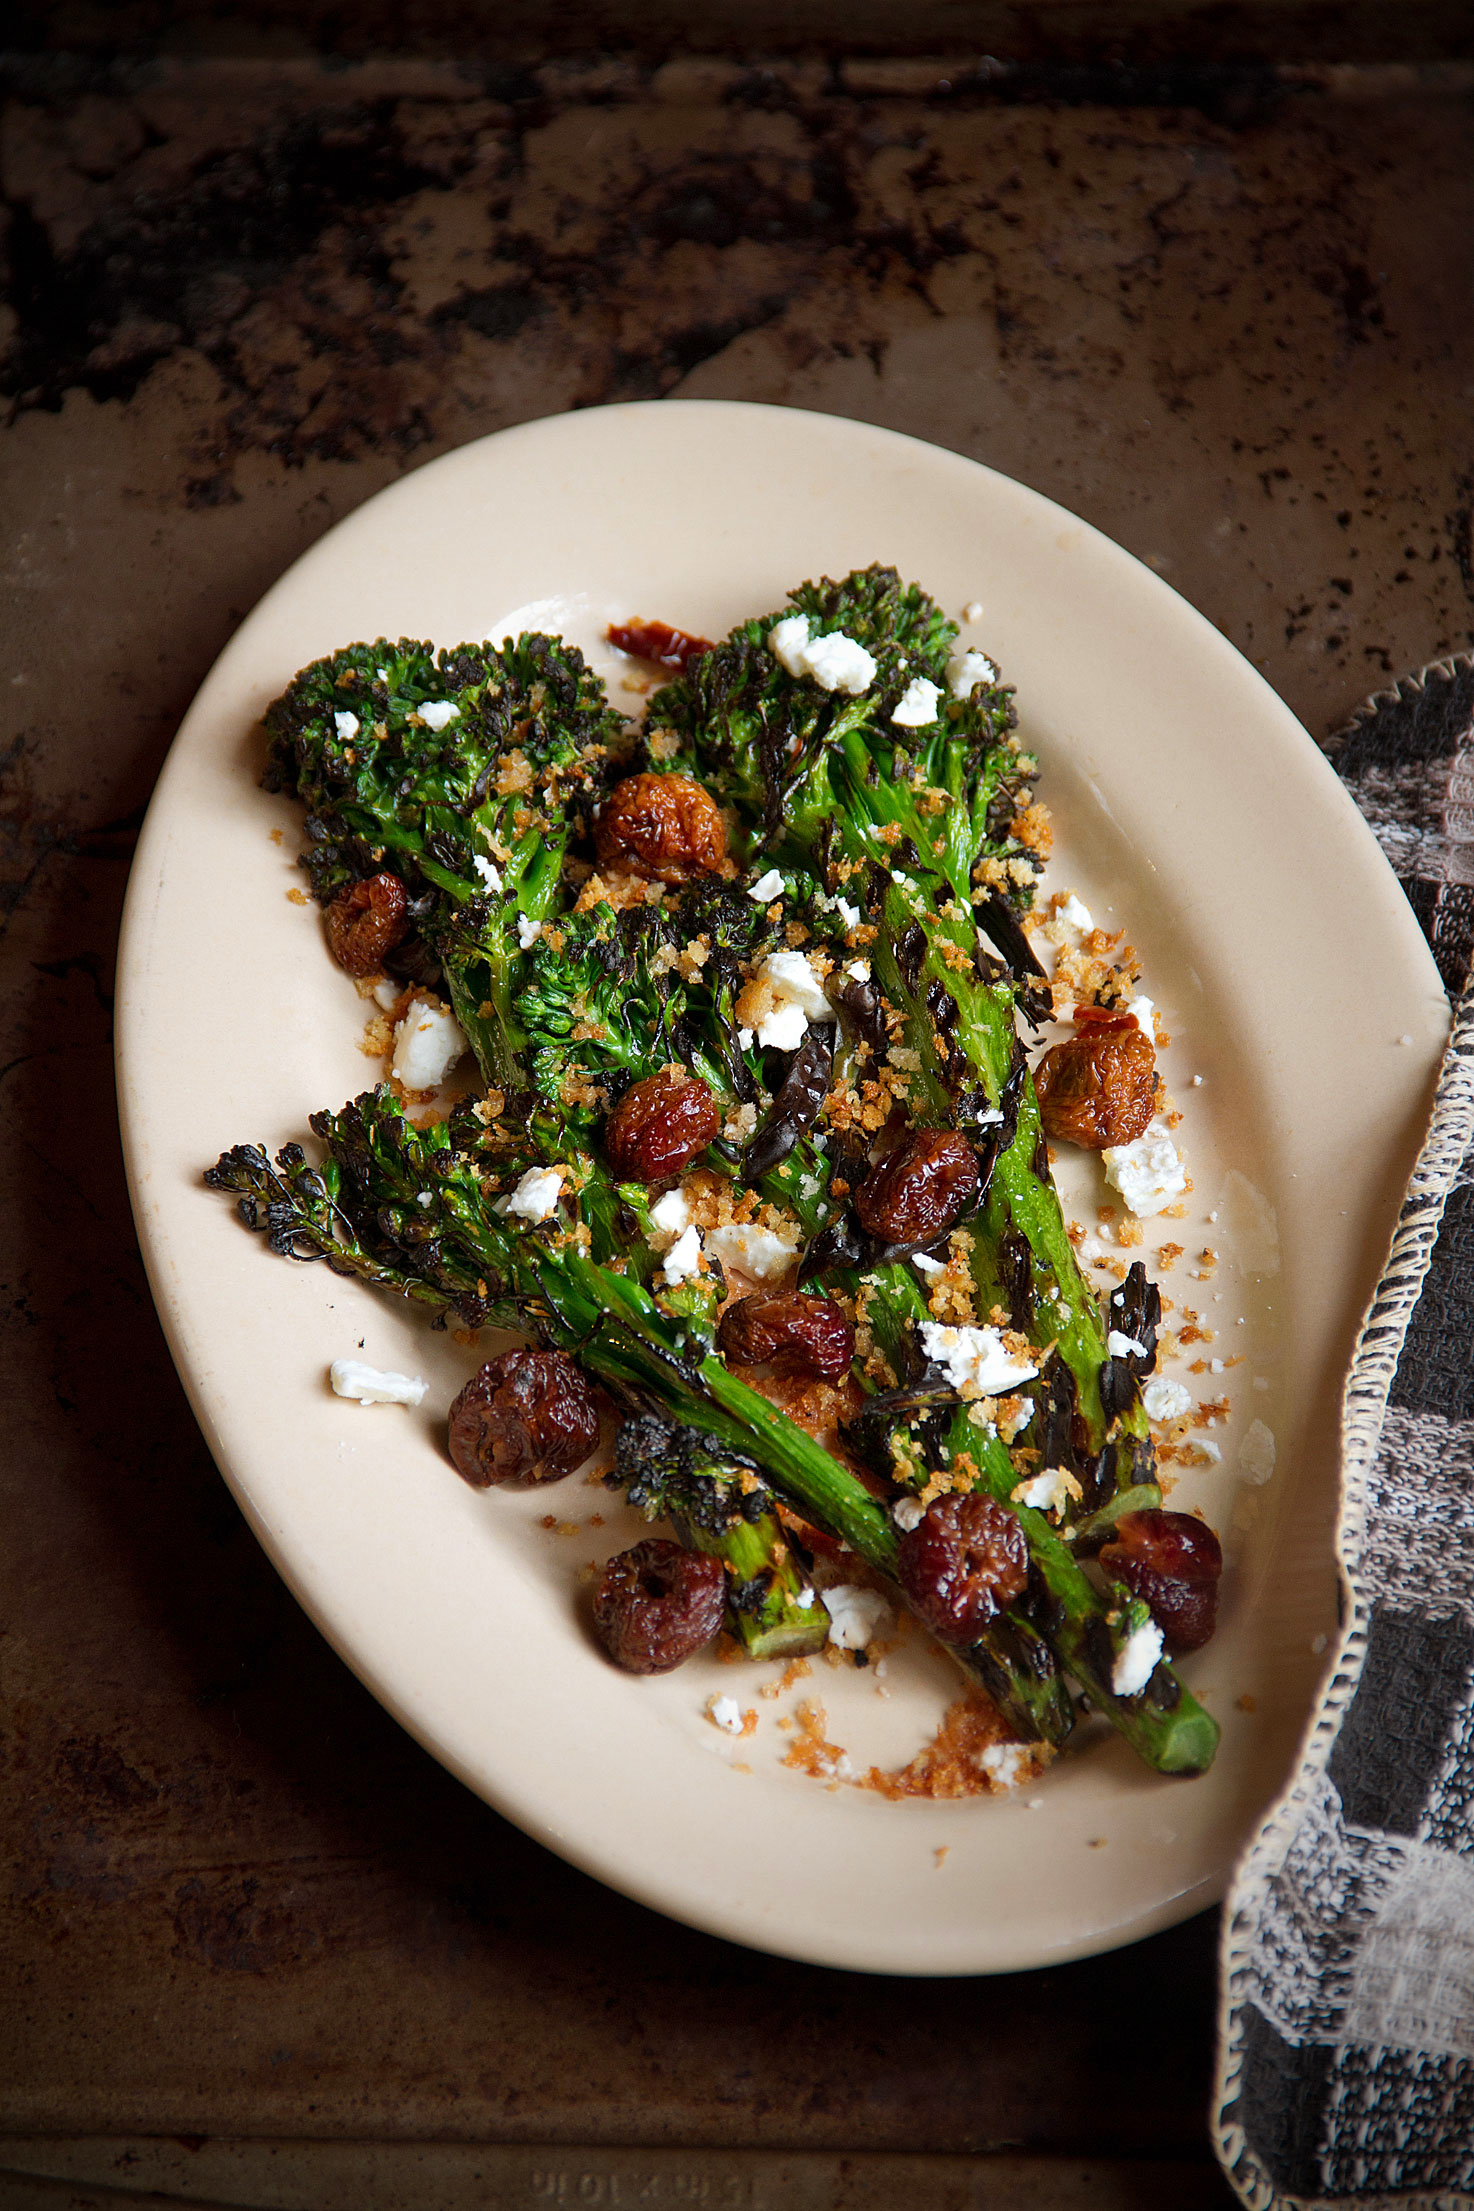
point(1288, 968)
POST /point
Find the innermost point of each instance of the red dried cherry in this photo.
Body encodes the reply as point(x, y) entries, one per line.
point(659, 1126)
point(657, 1604)
point(527, 1417)
point(366, 921)
point(920, 1188)
point(663, 826)
point(788, 1331)
point(1172, 1561)
point(964, 1561)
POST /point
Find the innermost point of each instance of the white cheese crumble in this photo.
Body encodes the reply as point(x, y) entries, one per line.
point(766, 887)
point(372, 1386)
point(348, 727)
point(1149, 1174)
point(924, 1264)
point(1050, 1490)
point(528, 932)
point(1136, 1660)
point(1121, 1346)
point(836, 662)
point(1141, 1010)
point(671, 1213)
point(975, 1358)
point(387, 993)
point(1256, 1453)
point(965, 671)
point(854, 1614)
point(795, 997)
point(536, 1195)
point(787, 641)
point(754, 1251)
point(427, 1044)
point(917, 706)
point(908, 1513)
point(972, 610)
point(489, 875)
point(684, 1255)
point(1012, 1425)
point(1006, 1764)
point(1075, 914)
point(725, 1713)
point(839, 663)
point(1165, 1400)
point(859, 971)
point(1210, 1450)
point(849, 915)
point(435, 713)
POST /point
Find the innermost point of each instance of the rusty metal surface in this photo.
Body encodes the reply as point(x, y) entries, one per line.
point(247, 293)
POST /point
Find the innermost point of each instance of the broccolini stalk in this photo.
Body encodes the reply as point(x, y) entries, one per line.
point(717, 1502)
point(463, 773)
point(364, 1211)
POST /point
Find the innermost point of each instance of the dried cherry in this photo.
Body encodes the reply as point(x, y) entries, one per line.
point(657, 1604)
point(1172, 1561)
point(663, 826)
point(788, 1331)
point(526, 1417)
point(1100, 1086)
point(659, 1126)
point(964, 1561)
point(366, 921)
point(657, 641)
point(920, 1188)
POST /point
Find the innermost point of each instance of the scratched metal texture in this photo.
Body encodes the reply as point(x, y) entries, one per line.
point(1231, 327)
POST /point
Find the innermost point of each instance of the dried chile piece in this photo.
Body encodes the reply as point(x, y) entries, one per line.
point(525, 1418)
point(657, 1604)
point(798, 1104)
point(1099, 1086)
point(788, 1331)
point(659, 1126)
point(663, 826)
point(1172, 1561)
point(657, 641)
point(964, 1562)
point(921, 1188)
point(366, 921)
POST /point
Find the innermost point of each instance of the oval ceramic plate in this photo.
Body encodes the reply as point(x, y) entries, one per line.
point(1191, 809)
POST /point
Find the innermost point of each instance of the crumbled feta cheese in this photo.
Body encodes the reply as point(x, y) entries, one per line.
point(849, 915)
point(1124, 1347)
point(917, 705)
point(854, 1614)
point(435, 713)
point(1075, 914)
point(1256, 1453)
point(348, 727)
point(1136, 1660)
point(725, 1713)
point(796, 997)
point(372, 1386)
point(1013, 1424)
point(965, 671)
point(744, 1038)
point(684, 1255)
point(753, 1250)
point(1149, 1174)
point(1050, 1490)
point(784, 1027)
point(766, 887)
point(427, 1044)
point(975, 1358)
point(1006, 1764)
point(528, 932)
point(859, 971)
point(972, 610)
point(839, 663)
point(537, 1193)
point(787, 641)
point(671, 1212)
point(1210, 1450)
point(1165, 1400)
point(925, 1264)
point(490, 876)
point(1141, 1010)
point(387, 992)
point(908, 1513)
point(804, 1600)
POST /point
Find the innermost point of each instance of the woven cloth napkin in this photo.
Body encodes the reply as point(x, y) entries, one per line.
point(1346, 2051)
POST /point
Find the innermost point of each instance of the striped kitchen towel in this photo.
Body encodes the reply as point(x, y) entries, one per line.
point(1346, 2049)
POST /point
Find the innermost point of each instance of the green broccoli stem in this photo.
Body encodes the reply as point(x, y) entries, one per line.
point(782, 1618)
